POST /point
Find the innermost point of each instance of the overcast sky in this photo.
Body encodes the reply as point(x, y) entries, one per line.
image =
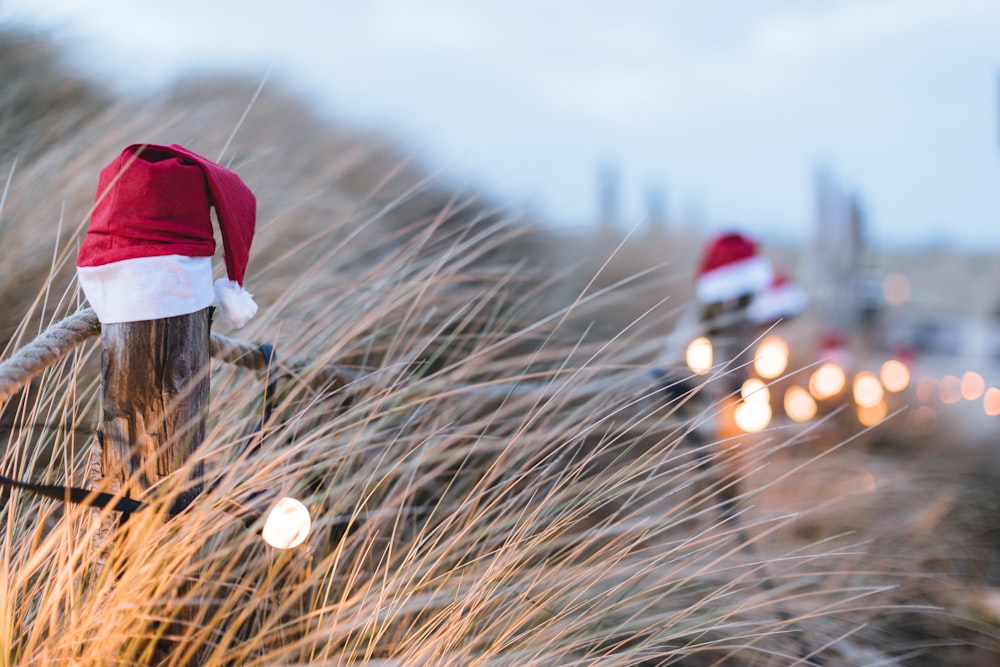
point(728, 105)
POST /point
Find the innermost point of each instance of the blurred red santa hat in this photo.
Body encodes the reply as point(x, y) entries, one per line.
point(731, 268)
point(148, 252)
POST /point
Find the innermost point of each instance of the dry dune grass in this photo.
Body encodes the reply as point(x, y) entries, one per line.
point(500, 487)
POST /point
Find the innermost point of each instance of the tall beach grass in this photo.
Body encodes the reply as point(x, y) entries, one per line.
point(503, 485)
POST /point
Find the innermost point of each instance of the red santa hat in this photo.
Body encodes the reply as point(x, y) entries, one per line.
point(731, 268)
point(148, 252)
point(779, 300)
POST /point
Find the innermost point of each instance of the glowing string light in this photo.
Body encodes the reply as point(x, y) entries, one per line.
point(950, 390)
point(754, 412)
point(287, 525)
point(799, 404)
point(771, 357)
point(991, 402)
point(895, 375)
point(869, 415)
point(755, 391)
point(973, 386)
point(752, 417)
point(867, 390)
point(827, 381)
point(699, 355)
point(927, 389)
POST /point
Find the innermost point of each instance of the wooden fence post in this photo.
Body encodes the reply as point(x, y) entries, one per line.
point(154, 403)
point(155, 394)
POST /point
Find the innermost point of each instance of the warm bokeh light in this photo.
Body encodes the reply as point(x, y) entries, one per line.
point(991, 401)
point(927, 389)
point(867, 390)
point(896, 289)
point(771, 357)
point(287, 525)
point(752, 417)
point(950, 389)
point(973, 386)
point(755, 391)
point(799, 404)
point(869, 415)
point(826, 381)
point(895, 375)
point(699, 355)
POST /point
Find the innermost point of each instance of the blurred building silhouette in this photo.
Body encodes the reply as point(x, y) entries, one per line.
point(656, 211)
point(609, 201)
point(839, 277)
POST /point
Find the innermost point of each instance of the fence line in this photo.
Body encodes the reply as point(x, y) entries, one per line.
point(63, 336)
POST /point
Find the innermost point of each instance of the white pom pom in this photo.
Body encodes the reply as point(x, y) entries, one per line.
point(237, 304)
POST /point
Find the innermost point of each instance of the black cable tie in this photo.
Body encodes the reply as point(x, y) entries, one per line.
point(77, 496)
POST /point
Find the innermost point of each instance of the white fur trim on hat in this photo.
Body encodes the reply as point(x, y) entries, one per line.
point(237, 304)
point(776, 303)
point(733, 280)
point(148, 288)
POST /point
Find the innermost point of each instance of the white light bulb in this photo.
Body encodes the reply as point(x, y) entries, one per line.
point(752, 417)
point(287, 525)
point(771, 357)
point(699, 355)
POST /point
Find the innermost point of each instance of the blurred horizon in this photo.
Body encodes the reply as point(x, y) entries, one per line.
point(719, 116)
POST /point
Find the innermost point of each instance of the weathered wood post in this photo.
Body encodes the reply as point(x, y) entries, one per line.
point(154, 400)
point(146, 268)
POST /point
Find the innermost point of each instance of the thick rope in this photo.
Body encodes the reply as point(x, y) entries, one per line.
point(63, 336)
point(232, 351)
point(260, 357)
point(49, 347)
